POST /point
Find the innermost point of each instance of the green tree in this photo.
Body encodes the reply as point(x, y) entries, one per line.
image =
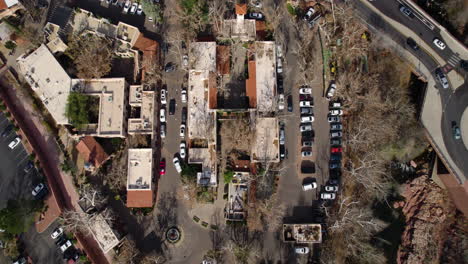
point(228, 175)
point(10, 45)
point(291, 9)
point(77, 109)
point(152, 10)
point(189, 172)
point(18, 215)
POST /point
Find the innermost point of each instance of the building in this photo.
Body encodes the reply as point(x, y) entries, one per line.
point(139, 178)
point(201, 125)
point(92, 153)
point(48, 80)
point(103, 233)
point(5, 4)
point(238, 193)
point(265, 147)
point(265, 76)
point(302, 233)
point(240, 28)
point(141, 102)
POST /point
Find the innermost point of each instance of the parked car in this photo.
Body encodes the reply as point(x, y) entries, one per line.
point(439, 43)
point(282, 152)
point(281, 135)
point(281, 102)
point(306, 128)
point(185, 60)
point(139, 10)
point(65, 245)
point(335, 157)
point(335, 141)
point(279, 51)
point(39, 188)
point(456, 132)
point(169, 67)
point(183, 96)
point(440, 76)
point(279, 66)
point(336, 112)
point(184, 115)
point(306, 111)
point(336, 105)
point(331, 91)
point(133, 8)
point(255, 15)
point(306, 153)
point(182, 150)
point(336, 150)
point(7, 130)
point(162, 167)
point(163, 130)
point(290, 103)
point(407, 12)
point(331, 188)
point(177, 165)
point(336, 127)
point(305, 90)
point(162, 115)
point(335, 165)
point(334, 176)
point(309, 186)
point(172, 105)
point(305, 104)
point(29, 166)
point(464, 64)
point(307, 119)
point(309, 13)
point(334, 119)
point(14, 143)
point(336, 134)
point(412, 43)
point(327, 196)
point(307, 144)
point(115, 2)
point(163, 96)
point(182, 130)
point(57, 232)
point(302, 250)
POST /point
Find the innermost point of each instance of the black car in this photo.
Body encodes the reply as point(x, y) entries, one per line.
point(333, 181)
point(412, 43)
point(334, 176)
point(464, 64)
point(172, 106)
point(335, 141)
point(335, 157)
point(290, 103)
point(335, 165)
point(7, 130)
point(282, 152)
point(184, 115)
point(255, 15)
point(28, 166)
point(170, 67)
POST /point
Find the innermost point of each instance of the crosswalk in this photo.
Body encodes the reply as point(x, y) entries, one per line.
point(454, 60)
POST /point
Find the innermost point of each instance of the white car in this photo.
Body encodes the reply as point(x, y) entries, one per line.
point(182, 130)
point(441, 45)
point(307, 119)
point(185, 60)
point(133, 8)
point(139, 10)
point(279, 66)
point(309, 13)
point(65, 245)
point(163, 131)
point(182, 150)
point(163, 96)
point(336, 105)
point(306, 153)
point(331, 188)
point(309, 186)
point(281, 102)
point(302, 250)
point(305, 91)
point(305, 104)
point(14, 143)
point(127, 6)
point(306, 128)
point(177, 165)
point(328, 196)
point(336, 134)
point(279, 51)
point(183, 96)
point(38, 189)
point(334, 119)
point(336, 112)
point(331, 91)
point(162, 115)
point(57, 232)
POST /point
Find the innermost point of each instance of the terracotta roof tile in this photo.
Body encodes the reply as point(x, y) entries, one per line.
point(140, 198)
point(149, 48)
point(3, 5)
point(241, 9)
point(251, 84)
point(92, 151)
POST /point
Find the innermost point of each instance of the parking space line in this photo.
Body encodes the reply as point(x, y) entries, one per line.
point(20, 152)
point(19, 163)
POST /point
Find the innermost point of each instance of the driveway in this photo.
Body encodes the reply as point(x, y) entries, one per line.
point(41, 247)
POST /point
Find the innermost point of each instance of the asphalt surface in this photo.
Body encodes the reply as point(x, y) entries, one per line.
point(454, 103)
point(41, 247)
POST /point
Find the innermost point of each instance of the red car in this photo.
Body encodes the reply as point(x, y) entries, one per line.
point(336, 150)
point(162, 167)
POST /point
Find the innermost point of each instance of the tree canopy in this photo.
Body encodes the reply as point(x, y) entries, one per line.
point(77, 109)
point(152, 10)
point(18, 216)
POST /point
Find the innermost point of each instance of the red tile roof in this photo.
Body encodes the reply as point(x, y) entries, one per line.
point(212, 91)
point(251, 84)
point(91, 151)
point(150, 49)
point(3, 5)
point(241, 9)
point(140, 198)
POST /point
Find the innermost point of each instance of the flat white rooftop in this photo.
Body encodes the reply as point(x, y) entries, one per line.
point(144, 100)
point(48, 79)
point(265, 60)
point(265, 146)
point(111, 93)
point(139, 169)
point(103, 233)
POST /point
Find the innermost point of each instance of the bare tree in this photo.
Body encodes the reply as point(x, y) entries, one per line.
point(78, 221)
point(93, 196)
point(127, 252)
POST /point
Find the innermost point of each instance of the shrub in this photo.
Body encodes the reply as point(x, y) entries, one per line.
point(291, 9)
point(228, 175)
point(10, 45)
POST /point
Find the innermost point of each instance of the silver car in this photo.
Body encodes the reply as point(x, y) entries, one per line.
point(306, 128)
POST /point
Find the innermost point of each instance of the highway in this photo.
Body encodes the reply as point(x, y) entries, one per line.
point(455, 99)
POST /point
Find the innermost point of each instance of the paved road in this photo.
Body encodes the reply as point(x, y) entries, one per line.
point(454, 103)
